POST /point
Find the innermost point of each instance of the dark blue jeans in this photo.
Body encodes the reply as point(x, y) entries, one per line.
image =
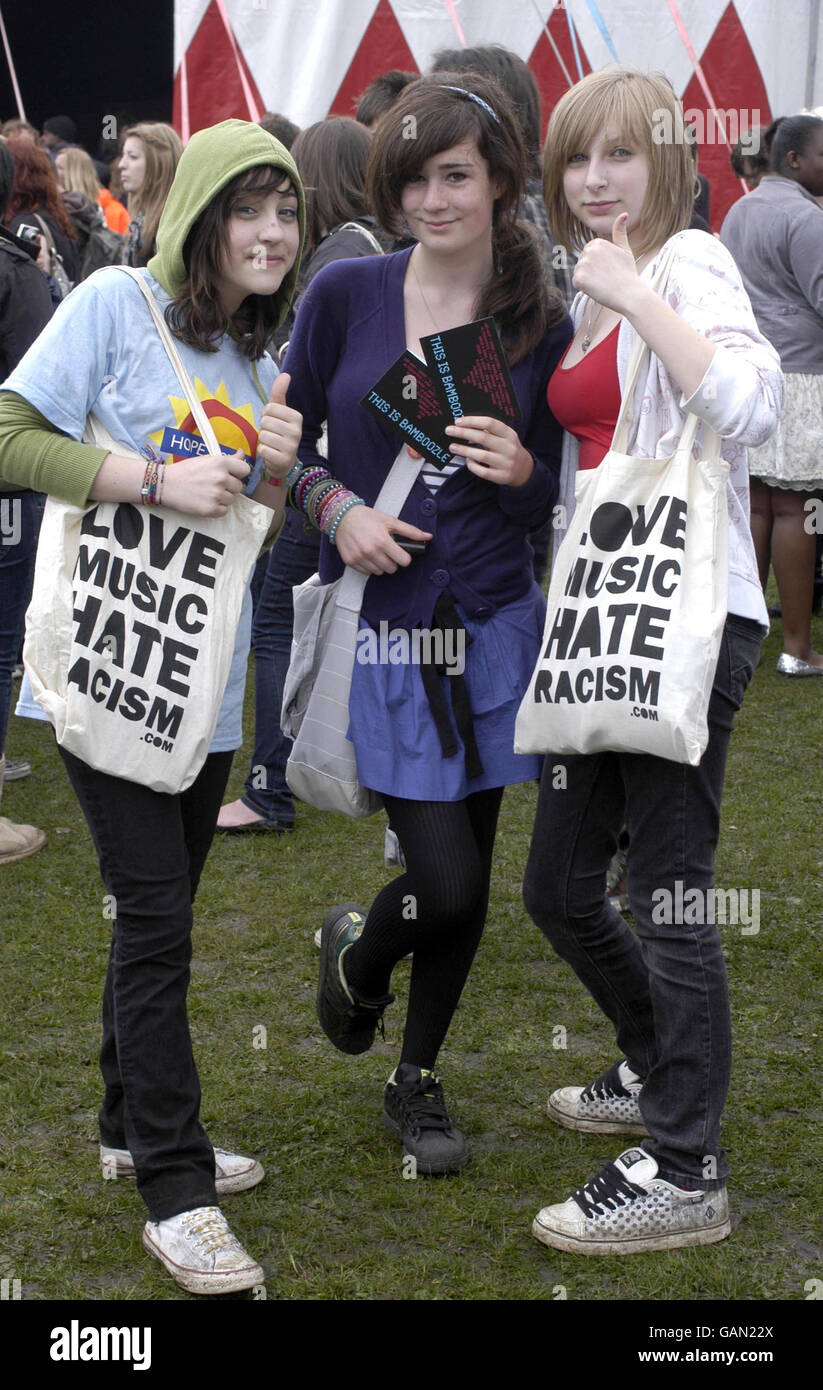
point(665, 988)
point(20, 515)
point(151, 849)
point(293, 559)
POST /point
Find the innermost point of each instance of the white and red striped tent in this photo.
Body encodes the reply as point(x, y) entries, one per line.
point(750, 59)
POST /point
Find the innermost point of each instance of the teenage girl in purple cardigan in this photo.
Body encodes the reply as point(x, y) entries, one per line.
point(447, 163)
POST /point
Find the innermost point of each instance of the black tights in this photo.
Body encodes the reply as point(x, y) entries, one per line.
point(436, 909)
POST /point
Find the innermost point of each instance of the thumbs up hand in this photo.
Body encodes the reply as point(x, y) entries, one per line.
point(619, 234)
point(606, 270)
point(280, 430)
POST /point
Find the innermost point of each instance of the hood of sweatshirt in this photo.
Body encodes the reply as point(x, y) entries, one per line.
point(212, 158)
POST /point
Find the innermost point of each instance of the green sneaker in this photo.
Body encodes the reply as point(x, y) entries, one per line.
point(348, 1020)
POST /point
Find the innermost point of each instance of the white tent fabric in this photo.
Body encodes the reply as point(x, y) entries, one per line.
point(749, 59)
point(299, 51)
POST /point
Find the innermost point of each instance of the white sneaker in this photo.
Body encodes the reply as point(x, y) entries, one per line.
point(232, 1172)
point(627, 1208)
point(608, 1105)
point(19, 841)
point(201, 1253)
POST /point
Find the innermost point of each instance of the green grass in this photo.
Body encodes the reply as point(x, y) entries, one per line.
point(335, 1218)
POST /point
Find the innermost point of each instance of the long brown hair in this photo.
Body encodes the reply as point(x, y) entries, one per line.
point(430, 117)
point(196, 315)
point(162, 148)
point(332, 156)
point(35, 186)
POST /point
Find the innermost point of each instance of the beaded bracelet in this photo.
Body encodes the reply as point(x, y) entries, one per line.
point(317, 494)
point(328, 503)
point(309, 476)
point(352, 502)
point(293, 473)
point(152, 489)
point(323, 500)
point(310, 505)
point(291, 477)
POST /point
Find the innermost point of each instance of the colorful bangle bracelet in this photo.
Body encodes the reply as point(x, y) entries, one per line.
point(324, 499)
point(304, 483)
point(327, 504)
point(352, 502)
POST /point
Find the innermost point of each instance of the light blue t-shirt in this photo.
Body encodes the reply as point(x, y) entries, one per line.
point(101, 353)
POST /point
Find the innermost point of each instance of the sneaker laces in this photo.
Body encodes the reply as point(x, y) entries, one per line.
point(423, 1105)
point(208, 1229)
point(606, 1087)
point(607, 1192)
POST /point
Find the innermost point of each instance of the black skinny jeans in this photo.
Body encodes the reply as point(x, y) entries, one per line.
point(664, 988)
point(151, 848)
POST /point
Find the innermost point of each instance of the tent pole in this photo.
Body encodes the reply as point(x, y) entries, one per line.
point(18, 98)
point(811, 62)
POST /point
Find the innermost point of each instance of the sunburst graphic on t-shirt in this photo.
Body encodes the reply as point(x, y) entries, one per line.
point(234, 426)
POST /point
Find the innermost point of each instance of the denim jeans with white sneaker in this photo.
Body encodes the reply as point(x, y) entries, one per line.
point(151, 849)
point(664, 988)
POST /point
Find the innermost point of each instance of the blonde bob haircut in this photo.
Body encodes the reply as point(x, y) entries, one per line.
point(642, 109)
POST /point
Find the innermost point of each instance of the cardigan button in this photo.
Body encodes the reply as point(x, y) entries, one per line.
point(440, 578)
point(428, 506)
point(482, 612)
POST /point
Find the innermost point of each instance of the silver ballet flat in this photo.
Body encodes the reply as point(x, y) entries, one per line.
point(793, 666)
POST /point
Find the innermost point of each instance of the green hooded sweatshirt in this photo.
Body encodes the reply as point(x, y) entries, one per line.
point(212, 158)
point(33, 453)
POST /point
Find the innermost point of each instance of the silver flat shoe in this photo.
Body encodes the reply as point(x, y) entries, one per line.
point(793, 666)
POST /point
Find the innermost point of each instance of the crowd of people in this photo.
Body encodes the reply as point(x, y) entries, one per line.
point(293, 268)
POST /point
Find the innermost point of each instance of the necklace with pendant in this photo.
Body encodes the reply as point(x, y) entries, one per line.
point(586, 340)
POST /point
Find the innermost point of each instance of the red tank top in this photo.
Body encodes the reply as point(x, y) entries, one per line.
point(585, 399)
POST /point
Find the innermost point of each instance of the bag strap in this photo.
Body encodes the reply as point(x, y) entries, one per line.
point(391, 499)
point(364, 231)
point(56, 263)
point(44, 227)
point(196, 405)
point(258, 383)
point(640, 359)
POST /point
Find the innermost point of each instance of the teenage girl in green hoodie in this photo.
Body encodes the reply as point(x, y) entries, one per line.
point(228, 249)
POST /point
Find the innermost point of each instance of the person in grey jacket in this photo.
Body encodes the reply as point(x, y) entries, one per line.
point(776, 236)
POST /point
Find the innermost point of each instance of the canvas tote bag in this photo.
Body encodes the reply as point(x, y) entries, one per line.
point(322, 766)
point(637, 604)
point(131, 629)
